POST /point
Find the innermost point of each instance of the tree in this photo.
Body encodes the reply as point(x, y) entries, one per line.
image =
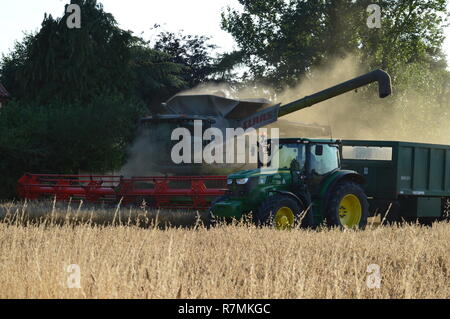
point(412, 31)
point(282, 40)
point(65, 64)
point(77, 95)
point(68, 65)
point(65, 138)
point(156, 77)
point(192, 51)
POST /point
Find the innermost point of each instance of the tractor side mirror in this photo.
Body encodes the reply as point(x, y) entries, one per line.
point(319, 150)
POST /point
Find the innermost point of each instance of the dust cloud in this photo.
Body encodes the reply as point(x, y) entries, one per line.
point(141, 156)
point(362, 115)
point(404, 116)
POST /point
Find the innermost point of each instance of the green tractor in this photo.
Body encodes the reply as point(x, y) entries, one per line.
point(306, 187)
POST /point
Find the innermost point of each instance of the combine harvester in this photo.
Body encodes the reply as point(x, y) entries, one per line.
point(198, 186)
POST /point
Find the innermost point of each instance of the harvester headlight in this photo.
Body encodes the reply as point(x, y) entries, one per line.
point(242, 181)
point(229, 181)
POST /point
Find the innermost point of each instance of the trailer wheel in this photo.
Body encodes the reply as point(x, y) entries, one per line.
point(280, 211)
point(348, 206)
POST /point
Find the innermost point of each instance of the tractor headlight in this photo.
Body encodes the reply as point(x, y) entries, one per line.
point(242, 181)
point(229, 181)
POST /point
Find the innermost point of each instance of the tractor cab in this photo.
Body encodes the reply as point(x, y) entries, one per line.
point(309, 161)
point(309, 158)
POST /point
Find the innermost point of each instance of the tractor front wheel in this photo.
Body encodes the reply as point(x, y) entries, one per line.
point(280, 211)
point(348, 206)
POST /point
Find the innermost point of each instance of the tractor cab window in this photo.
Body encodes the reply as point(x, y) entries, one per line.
point(324, 159)
point(286, 154)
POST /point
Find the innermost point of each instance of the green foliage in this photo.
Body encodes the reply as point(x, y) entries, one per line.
point(282, 40)
point(155, 76)
point(65, 138)
point(64, 64)
point(421, 100)
point(226, 64)
point(78, 95)
point(412, 31)
point(191, 51)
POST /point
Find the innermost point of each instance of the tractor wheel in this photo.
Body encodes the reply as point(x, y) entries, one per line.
point(348, 206)
point(280, 211)
point(211, 220)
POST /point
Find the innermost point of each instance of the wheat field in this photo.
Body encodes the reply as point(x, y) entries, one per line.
point(124, 253)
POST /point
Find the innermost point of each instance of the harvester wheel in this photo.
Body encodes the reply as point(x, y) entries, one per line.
point(280, 211)
point(348, 206)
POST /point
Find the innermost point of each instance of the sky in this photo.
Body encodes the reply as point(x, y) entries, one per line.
point(201, 17)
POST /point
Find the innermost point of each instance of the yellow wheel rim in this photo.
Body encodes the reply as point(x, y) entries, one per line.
point(284, 218)
point(350, 211)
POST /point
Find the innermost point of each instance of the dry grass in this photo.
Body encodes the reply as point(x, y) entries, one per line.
point(230, 261)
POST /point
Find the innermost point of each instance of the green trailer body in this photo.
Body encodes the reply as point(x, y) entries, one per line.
point(413, 179)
